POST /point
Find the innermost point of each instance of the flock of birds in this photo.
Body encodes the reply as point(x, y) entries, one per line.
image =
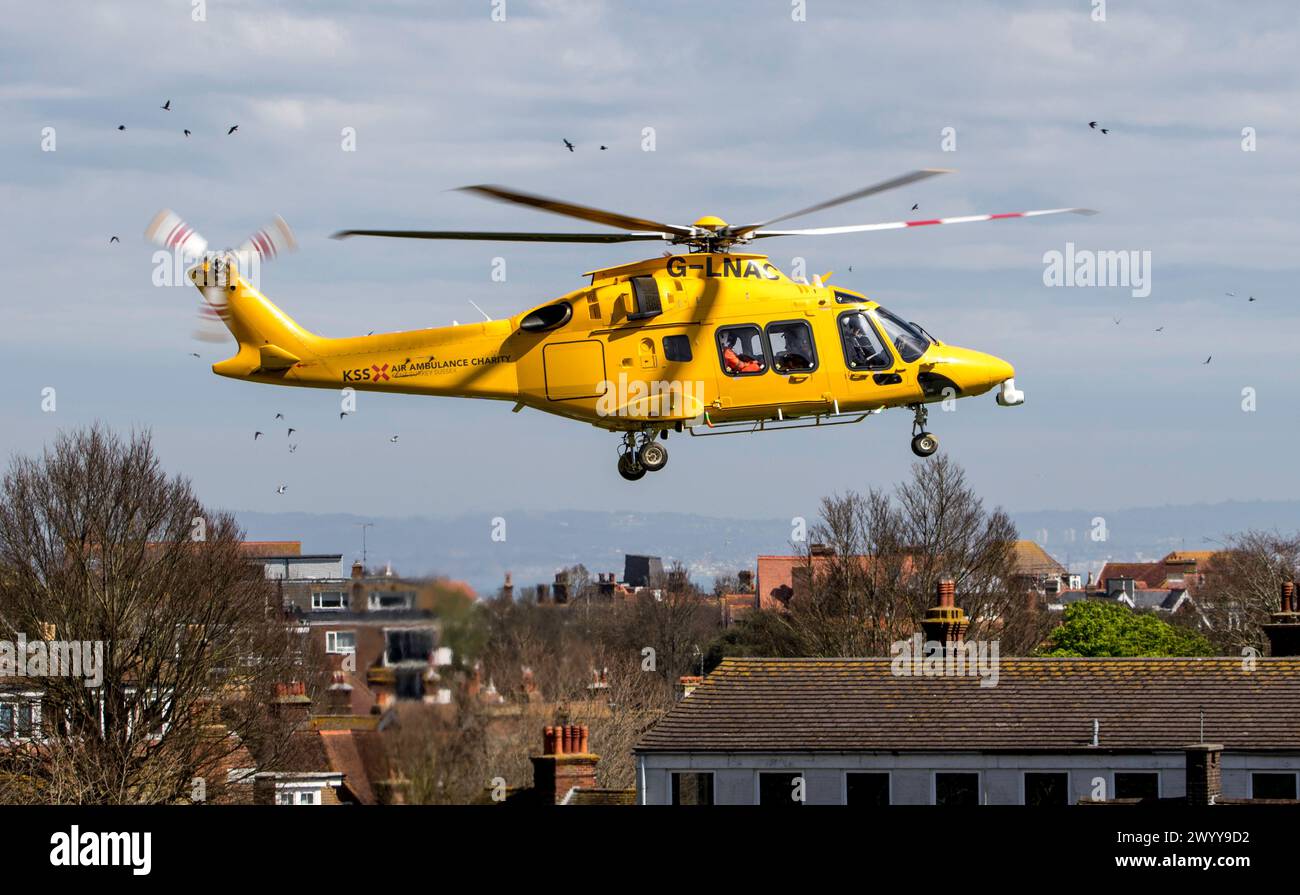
point(293, 446)
point(167, 107)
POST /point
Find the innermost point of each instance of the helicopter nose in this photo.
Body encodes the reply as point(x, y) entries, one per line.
point(974, 372)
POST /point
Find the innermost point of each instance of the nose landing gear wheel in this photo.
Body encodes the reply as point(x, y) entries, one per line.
point(629, 467)
point(925, 444)
point(653, 456)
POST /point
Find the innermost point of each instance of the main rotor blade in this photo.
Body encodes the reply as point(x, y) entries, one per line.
point(582, 212)
point(902, 180)
point(505, 236)
point(900, 225)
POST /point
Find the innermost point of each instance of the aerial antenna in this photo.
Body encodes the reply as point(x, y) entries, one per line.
point(363, 526)
point(480, 310)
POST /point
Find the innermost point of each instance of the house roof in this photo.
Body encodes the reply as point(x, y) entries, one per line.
point(1151, 574)
point(1037, 705)
point(271, 548)
point(1031, 559)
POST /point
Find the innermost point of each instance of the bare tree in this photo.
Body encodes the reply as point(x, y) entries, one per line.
point(99, 547)
point(882, 555)
point(1240, 587)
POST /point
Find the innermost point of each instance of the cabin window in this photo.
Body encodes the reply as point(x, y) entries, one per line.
point(863, 347)
point(645, 295)
point(677, 349)
point(740, 348)
point(547, 318)
point(907, 337)
point(792, 346)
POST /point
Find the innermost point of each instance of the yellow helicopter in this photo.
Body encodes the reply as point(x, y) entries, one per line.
point(711, 341)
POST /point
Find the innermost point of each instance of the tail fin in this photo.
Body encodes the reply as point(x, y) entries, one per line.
point(270, 341)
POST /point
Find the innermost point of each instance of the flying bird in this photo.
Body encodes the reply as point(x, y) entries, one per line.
point(121, 127)
point(604, 147)
point(194, 354)
point(233, 128)
point(187, 133)
point(1117, 320)
point(1160, 329)
point(115, 239)
point(167, 106)
point(281, 489)
point(279, 416)
point(1207, 360)
point(1092, 124)
point(292, 448)
point(342, 413)
point(568, 145)
point(1105, 131)
point(393, 439)
point(916, 206)
point(1230, 294)
point(257, 435)
point(289, 434)
point(1252, 298)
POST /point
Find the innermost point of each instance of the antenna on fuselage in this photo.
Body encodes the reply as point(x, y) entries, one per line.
point(480, 310)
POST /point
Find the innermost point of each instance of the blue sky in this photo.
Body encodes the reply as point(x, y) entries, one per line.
point(754, 114)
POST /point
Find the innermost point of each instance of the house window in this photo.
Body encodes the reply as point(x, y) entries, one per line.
point(870, 790)
point(1044, 789)
point(692, 788)
point(341, 642)
point(391, 599)
point(1137, 785)
point(677, 349)
point(956, 789)
point(782, 790)
point(741, 351)
point(409, 645)
point(8, 711)
point(792, 346)
point(329, 599)
point(1272, 786)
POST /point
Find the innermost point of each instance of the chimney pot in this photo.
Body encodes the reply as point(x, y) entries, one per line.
point(947, 593)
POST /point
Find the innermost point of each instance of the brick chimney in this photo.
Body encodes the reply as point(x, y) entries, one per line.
point(292, 702)
point(1284, 632)
point(1204, 773)
point(945, 622)
point(357, 594)
point(508, 589)
point(745, 581)
point(561, 587)
point(563, 764)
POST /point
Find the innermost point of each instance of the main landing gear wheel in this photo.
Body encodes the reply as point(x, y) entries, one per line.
point(629, 467)
point(925, 444)
point(653, 456)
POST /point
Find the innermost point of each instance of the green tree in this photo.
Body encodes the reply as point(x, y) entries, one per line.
point(1097, 628)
